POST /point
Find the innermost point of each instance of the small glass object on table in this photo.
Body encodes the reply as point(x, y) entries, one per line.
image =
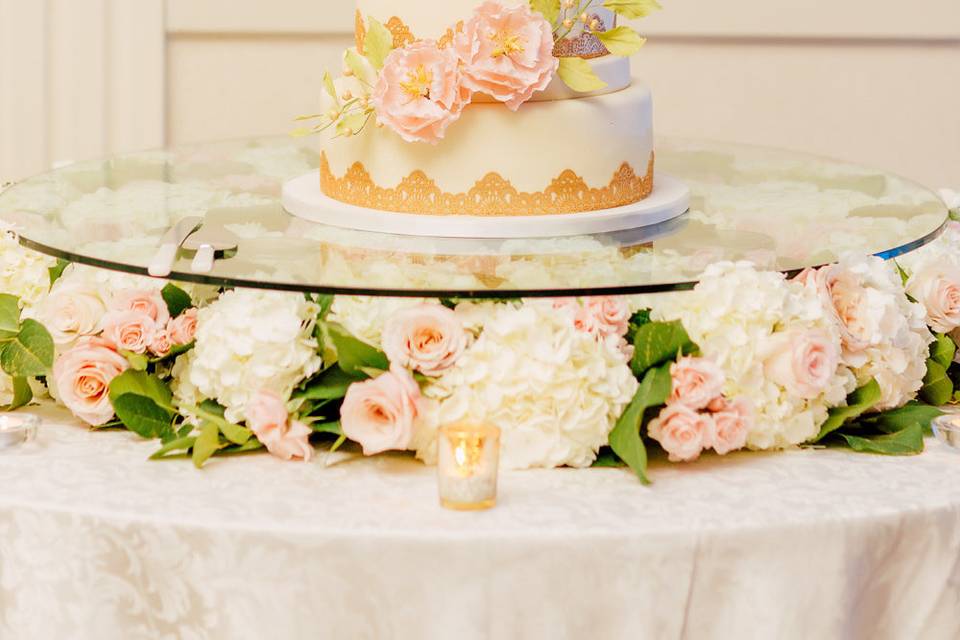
point(17, 429)
point(468, 464)
point(947, 430)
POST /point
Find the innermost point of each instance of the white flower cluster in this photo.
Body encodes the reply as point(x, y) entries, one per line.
point(737, 315)
point(247, 342)
point(554, 391)
point(23, 273)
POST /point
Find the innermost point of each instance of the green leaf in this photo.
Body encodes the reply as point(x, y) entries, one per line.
point(235, 433)
point(142, 416)
point(56, 271)
point(331, 88)
point(353, 355)
point(141, 383)
point(177, 299)
point(937, 386)
point(22, 394)
point(943, 350)
point(625, 439)
point(180, 444)
point(904, 276)
point(906, 442)
point(352, 123)
point(326, 303)
point(248, 447)
point(621, 41)
point(607, 459)
point(378, 44)
point(328, 427)
point(9, 316)
point(659, 342)
point(899, 419)
point(30, 353)
point(632, 9)
point(858, 403)
point(207, 444)
point(138, 361)
point(550, 9)
point(577, 74)
point(355, 63)
point(332, 384)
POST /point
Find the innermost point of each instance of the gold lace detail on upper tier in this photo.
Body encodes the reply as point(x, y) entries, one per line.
point(491, 196)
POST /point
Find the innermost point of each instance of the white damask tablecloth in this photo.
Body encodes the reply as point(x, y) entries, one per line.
point(95, 542)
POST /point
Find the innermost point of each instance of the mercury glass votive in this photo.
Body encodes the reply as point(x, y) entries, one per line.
point(468, 463)
point(17, 429)
point(947, 430)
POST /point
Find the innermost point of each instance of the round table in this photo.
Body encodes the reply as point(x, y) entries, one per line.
point(95, 542)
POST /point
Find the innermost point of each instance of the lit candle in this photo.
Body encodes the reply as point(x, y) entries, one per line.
point(17, 428)
point(947, 430)
point(468, 462)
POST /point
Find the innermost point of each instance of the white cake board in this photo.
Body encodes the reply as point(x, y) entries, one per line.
point(302, 197)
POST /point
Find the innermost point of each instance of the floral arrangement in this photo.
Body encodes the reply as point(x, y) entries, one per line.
point(859, 354)
point(507, 53)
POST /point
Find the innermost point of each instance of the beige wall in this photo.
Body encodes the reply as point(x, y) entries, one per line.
point(873, 81)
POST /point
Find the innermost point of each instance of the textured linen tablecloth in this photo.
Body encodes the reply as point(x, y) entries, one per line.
point(96, 542)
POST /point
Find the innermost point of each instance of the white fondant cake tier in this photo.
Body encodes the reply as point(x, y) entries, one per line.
point(592, 137)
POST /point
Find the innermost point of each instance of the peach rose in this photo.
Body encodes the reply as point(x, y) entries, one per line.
point(82, 377)
point(268, 419)
point(696, 382)
point(938, 290)
point(149, 302)
point(802, 362)
point(131, 331)
point(612, 314)
point(379, 413)
point(429, 338)
point(183, 328)
point(507, 52)
point(733, 422)
point(683, 433)
point(843, 296)
point(71, 312)
point(419, 93)
point(161, 344)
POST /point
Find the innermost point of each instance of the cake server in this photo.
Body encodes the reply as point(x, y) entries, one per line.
point(207, 241)
point(162, 263)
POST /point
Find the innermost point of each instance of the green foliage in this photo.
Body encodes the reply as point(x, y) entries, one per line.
point(141, 383)
point(607, 459)
point(577, 74)
point(334, 428)
point(332, 384)
point(177, 299)
point(549, 8)
point(858, 403)
point(632, 9)
point(354, 62)
point(330, 88)
point(943, 350)
point(57, 270)
point(378, 44)
point(9, 316)
point(30, 353)
point(625, 439)
point(143, 416)
point(937, 385)
point(180, 445)
point(622, 41)
point(658, 342)
point(22, 394)
point(905, 442)
point(354, 355)
point(206, 444)
point(899, 419)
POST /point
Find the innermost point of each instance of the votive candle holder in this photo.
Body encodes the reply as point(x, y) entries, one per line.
point(468, 464)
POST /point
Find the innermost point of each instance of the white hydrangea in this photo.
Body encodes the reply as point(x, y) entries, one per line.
point(555, 392)
point(23, 273)
point(364, 317)
point(731, 315)
point(248, 341)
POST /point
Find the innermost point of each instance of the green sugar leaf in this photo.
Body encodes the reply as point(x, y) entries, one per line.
point(622, 41)
point(577, 74)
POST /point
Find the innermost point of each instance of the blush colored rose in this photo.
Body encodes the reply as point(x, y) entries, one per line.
point(71, 312)
point(612, 314)
point(149, 302)
point(131, 331)
point(843, 297)
point(82, 377)
point(733, 421)
point(419, 93)
point(268, 419)
point(161, 345)
point(507, 52)
point(683, 433)
point(183, 328)
point(802, 362)
point(696, 382)
point(428, 338)
point(938, 290)
point(379, 414)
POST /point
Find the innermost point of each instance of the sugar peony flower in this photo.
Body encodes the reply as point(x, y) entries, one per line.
point(696, 382)
point(183, 328)
point(268, 419)
point(82, 377)
point(507, 52)
point(683, 432)
point(379, 414)
point(428, 339)
point(73, 310)
point(131, 331)
point(149, 302)
point(419, 93)
point(802, 361)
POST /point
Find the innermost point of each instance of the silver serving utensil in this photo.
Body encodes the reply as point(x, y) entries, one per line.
point(162, 263)
point(207, 241)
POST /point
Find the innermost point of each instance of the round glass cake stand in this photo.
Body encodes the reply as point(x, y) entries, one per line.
point(780, 210)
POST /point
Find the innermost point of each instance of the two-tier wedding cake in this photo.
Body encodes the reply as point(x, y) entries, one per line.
point(468, 109)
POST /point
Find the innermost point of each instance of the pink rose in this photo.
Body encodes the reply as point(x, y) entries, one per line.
point(938, 289)
point(696, 382)
point(132, 331)
point(844, 297)
point(733, 422)
point(146, 301)
point(268, 419)
point(183, 328)
point(802, 362)
point(419, 93)
point(71, 312)
point(612, 314)
point(161, 345)
point(682, 432)
point(429, 338)
point(507, 52)
point(379, 413)
point(82, 377)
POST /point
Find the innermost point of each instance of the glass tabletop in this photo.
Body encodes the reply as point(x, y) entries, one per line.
point(778, 209)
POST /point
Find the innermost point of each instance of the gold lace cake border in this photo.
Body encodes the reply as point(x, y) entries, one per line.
point(491, 196)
